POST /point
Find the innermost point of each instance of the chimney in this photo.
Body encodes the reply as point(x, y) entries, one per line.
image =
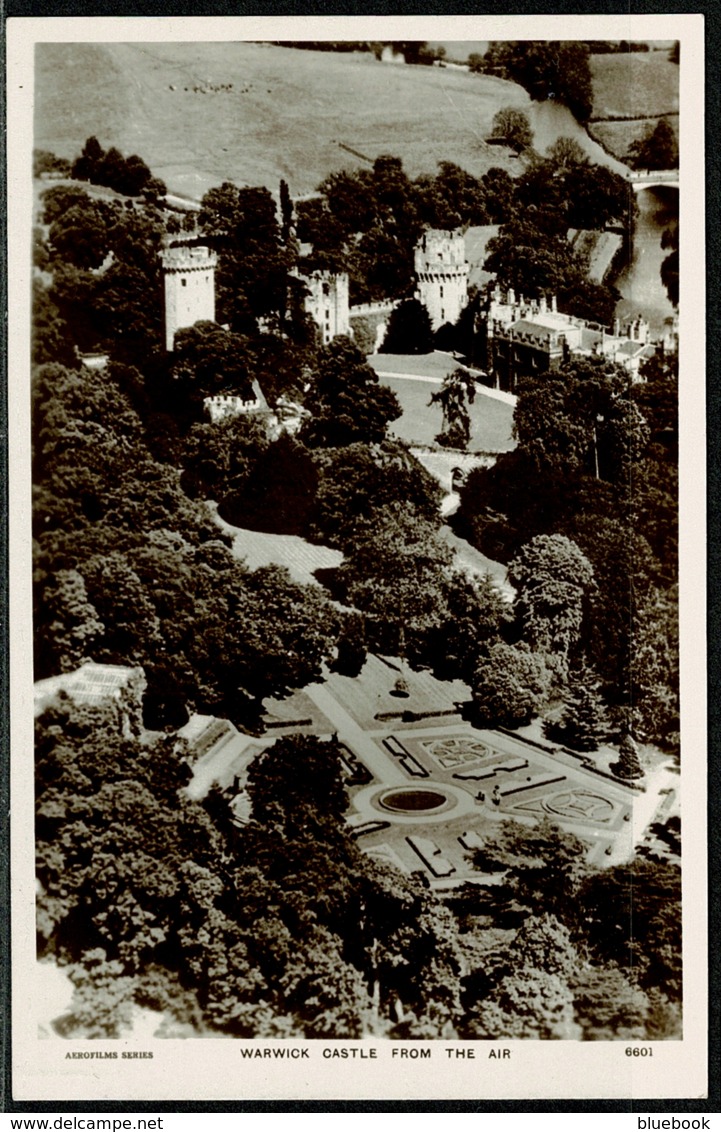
point(543, 305)
point(554, 307)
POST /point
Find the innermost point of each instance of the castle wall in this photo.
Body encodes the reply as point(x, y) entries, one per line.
point(189, 274)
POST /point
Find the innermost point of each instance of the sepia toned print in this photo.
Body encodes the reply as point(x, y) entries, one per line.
point(360, 711)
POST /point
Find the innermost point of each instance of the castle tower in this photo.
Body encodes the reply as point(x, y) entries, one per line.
point(442, 275)
point(327, 303)
point(189, 274)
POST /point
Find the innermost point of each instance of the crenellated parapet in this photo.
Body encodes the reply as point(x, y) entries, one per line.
point(193, 258)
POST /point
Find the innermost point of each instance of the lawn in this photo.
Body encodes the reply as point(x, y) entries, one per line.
point(491, 420)
point(287, 115)
point(300, 558)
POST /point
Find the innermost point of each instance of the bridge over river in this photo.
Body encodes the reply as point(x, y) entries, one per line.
point(652, 178)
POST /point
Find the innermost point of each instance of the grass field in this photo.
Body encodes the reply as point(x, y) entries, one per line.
point(641, 86)
point(637, 85)
point(491, 420)
point(616, 137)
point(287, 115)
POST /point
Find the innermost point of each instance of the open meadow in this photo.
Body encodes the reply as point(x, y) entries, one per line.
point(639, 87)
point(641, 84)
point(201, 113)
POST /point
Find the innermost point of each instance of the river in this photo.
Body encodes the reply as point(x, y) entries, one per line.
point(640, 284)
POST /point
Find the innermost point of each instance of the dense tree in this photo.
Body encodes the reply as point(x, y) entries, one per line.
point(633, 919)
point(628, 765)
point(499, 190)
point(552, 578)
point(509, 687)
point(68, 621)
point(295, 774)
point(657, 149)
point(547, 70)
point(395, 572)
point(207, 359)
point(279, 493)
point(409, 330)
point(654, 668)
point(544, 868)
point(566, 153)
point(450, 199)
point(533, 260)
point(130, 176)
point(669, 267)
point(532, 997)
point(608, 1006)
point(359, 480)
point(346, 400)
point(46, 162)
point(475, 612)
point(513, 127)
point(253, 265)
point(50, 337)
point(528, 1004)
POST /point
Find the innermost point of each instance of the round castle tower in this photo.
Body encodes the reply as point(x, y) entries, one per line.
point(442, 275)
point(189, 275)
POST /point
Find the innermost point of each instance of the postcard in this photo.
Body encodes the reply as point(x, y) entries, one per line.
point(357, 480)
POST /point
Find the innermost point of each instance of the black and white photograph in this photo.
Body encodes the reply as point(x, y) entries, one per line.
point(359, 623)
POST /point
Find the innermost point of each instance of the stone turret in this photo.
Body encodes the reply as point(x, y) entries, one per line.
point(442, 275)
point(189, 275)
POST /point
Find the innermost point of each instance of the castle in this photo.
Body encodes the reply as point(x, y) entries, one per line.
point(441, 271)
point(527, 337)
point(518, 337)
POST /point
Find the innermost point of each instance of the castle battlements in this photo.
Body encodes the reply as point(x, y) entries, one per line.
point(188, 258)
point(439, 248)
point(224, 405)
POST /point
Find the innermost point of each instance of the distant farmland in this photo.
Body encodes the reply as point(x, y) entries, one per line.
point(639, 87)
point(286, 115)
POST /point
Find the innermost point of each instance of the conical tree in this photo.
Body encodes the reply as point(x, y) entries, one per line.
point(583, 723)
point(628, 765)
point(409, 330)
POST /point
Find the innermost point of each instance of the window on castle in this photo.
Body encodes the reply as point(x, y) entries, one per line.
point(183, 282)
point(441, 290)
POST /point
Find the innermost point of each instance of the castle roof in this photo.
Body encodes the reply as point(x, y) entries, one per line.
point(525, 326)
point(629, 348)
